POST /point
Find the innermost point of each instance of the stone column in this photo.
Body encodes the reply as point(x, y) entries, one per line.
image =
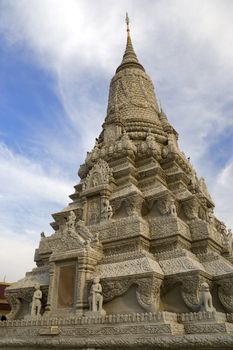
point(80, 285)
point(52, 289)
point(84, 202)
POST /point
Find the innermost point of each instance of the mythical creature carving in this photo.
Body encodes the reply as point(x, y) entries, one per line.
point(205, 298)
point(164, 205)
point(125, 146)
point(226, 238)
point(15, 304)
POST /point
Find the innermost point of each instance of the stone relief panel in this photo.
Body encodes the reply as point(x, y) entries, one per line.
point(147, 291)
point(132, 204)
point(94, 210)
point(225, 293)
point(100, 174)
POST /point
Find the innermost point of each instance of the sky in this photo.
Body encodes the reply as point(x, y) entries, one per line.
point(56, 62)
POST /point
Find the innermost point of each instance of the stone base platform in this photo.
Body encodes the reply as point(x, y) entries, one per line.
point(205, 322)
point(133, 331)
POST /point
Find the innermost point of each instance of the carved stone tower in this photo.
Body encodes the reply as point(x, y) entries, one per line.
point(143, 223)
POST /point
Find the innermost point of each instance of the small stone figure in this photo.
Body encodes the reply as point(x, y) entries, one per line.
point(226, 239)
point(96, 298)
point(87, 244)
point(36, 301)
point(42, 235)
point(205, 298)
point(211, 216)
point(70, 223)
point(173, 208)
point(107, 212)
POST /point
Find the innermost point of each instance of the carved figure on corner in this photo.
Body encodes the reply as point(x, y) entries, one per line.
point(205, 298)
point(211, 216)
point(226, 239)
point(36, 301)
point(173, 208)
point(96, 297)
point(107, 212)
point(70, 223)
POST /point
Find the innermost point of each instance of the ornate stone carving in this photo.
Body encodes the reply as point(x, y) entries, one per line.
point(226, 238)
point(69, 241)
point(100, 174)
point(163, 206)
point(225, 293)
point(132, 204)
point(190, 209)
point(70, 223)
point(15, 304)
point(189, 291)
point(113, 288)
point(148, 293)
point(125, 145)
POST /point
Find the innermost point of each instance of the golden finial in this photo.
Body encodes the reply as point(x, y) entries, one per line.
point(127, 21)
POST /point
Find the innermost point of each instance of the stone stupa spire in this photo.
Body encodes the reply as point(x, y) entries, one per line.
point(130, 58)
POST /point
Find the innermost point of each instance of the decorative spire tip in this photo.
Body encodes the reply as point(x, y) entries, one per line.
point(127, 21)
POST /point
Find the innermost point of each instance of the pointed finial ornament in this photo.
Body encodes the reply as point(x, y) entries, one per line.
point(127, 22)
point(129, 58)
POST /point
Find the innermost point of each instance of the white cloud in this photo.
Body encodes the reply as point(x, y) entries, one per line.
point(29, 194)
point(16, 257)
point(28, 180)
point(223, 193)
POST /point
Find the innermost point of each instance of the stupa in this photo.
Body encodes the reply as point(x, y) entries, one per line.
point(138, 258)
